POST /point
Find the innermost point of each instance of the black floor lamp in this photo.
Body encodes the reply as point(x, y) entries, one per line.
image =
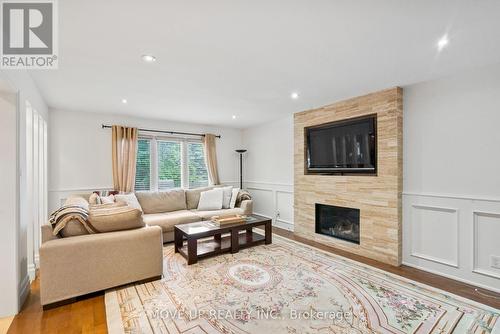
point(241, 166)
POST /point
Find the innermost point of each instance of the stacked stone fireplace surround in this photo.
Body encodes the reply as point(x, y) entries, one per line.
point(378, 197)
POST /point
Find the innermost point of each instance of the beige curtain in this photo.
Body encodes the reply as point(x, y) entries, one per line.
point(124, 152)
point(211, 158)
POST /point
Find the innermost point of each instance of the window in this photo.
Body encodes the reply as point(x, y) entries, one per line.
point(164, 163)
point(169, 164)
point(143, 165)
point(198, 176)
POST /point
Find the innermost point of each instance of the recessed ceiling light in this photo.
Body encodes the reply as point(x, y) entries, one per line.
point(234, 116)
point(124, 101)
point(148, 58)
point(294, 95)
point(443, 42)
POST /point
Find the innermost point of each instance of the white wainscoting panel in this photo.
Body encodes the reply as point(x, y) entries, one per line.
point(262, 201)
point(429, 225)
point(273, 200)
point(453, 236)
point(284, 208)
point(486, 240)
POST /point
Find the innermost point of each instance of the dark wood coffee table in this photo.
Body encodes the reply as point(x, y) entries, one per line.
point(188, 243)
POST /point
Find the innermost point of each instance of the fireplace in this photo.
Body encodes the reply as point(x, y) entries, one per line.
point(338, 222)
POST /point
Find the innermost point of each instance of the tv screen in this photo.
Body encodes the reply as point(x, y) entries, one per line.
point(342, 147)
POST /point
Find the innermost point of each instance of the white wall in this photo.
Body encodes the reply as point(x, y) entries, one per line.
point(80, 150)
point(8, 204)
point(451, 201)
point(268, 169)
point(17, 230)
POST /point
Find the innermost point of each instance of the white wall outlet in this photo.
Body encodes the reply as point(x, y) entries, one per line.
point(495, 262)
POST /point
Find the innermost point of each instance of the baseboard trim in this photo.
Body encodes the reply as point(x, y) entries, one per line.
point(24, 289)
point(31, 272)
point(278, 222)
point(453, 277)
point(283, 224)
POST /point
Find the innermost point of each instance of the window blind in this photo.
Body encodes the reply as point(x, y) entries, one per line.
point(197, 169)
point(143, 165)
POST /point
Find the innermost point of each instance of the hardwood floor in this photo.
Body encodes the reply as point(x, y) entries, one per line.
point(4, 324)
point(458, 288)
point(88, 315)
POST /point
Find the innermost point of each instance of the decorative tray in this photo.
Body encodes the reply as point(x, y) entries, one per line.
point(226, 220)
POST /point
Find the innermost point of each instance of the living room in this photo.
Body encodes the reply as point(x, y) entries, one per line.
point(180, 168)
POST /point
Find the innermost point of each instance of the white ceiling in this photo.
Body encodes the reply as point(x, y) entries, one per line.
point(221, 58)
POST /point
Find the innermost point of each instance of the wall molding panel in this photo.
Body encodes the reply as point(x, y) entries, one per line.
point(480, 256)
point(465, 237)
point(432, 217)
point(277, 203)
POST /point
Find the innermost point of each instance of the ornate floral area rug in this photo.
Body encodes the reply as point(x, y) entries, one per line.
point(288, 287)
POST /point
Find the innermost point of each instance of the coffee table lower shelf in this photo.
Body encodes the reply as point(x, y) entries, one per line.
point(214, 246)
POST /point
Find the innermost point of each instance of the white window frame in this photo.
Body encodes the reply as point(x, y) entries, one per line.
point(154, 158)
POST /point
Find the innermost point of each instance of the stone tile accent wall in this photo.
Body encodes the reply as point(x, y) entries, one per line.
point(377, 196)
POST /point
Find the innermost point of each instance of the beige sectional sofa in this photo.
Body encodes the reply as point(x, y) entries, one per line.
point(174, 207)
point(76, 265)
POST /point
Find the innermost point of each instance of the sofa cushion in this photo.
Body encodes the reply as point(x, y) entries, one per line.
point(234, 196)
point(162, 201)
point(226, 196)
point(168, 220)
point(94, 199)
point(107, 199)
point(207, 215)
point(193, 197)
point(129, 199)
point(115, 218)
point(73, 228)
point(211, 199)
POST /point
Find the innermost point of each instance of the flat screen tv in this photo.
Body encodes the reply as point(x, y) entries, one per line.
point(348, 146)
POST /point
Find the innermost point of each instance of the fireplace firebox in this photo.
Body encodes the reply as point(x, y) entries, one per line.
point(338, 222)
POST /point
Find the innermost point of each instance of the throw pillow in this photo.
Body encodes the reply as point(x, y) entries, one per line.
point(162, 201)
point(94, 199)
point(234, 196)
point(211, 200)
point(129, 199)
point(115, 218)
point(107, 199)
point(226, 196)
point(243, 195)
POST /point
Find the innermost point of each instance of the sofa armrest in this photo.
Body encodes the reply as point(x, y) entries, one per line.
point(74, 266)
point(247, 206)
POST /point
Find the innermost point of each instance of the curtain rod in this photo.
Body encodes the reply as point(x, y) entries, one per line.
point(162, 131)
